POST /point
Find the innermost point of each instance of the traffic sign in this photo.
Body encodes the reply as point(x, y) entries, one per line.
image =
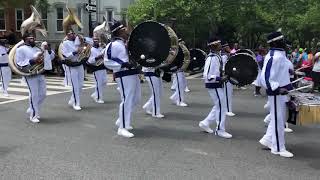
point(91, 7)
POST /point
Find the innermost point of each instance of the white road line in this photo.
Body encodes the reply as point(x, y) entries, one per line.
point(194, 76)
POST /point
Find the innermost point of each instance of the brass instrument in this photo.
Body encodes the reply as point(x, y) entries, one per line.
point(186, 56)
point(68, 21)
point(34, 22)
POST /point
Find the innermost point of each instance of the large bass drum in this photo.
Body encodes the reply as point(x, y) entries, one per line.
point(241, 69)
point(151, 44)
point(197, 60)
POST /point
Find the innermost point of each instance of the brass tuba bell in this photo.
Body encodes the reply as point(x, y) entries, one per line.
point(70, 20)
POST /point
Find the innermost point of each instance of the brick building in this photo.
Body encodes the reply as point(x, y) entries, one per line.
point(12, 15)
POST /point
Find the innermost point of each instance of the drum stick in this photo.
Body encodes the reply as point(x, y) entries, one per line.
point(302, 68)
point(301, 88)
point(297, 80)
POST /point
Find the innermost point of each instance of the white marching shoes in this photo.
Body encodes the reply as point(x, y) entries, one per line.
point(223, 134)
point(158, 116)
point(265, 143)
point(230, 114)
point(206, 128)
point(181, 104)
point(186, 89)
point(118, 124)
point(34, 120)
point(77, 108)
point(284, 153)
point(287, 129)
point(125, 133)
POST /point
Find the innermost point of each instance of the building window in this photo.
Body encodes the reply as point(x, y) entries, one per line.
point(110, 16)
point(19, 18)
point(59, 19)
point(2, 20)
point(80, 17)
point(44, 17)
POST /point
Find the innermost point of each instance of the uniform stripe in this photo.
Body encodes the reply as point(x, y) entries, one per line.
point(268, 70)
point(124, 100)
point(178, 87)
point(3, 89)
point(219, 109)
point(97, 86)
point(276, 122)
point(74, 94)
point(31, 101)
point(227, 97)
point(154, 96)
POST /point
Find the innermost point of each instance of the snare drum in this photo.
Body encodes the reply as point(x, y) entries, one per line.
point(308, 114)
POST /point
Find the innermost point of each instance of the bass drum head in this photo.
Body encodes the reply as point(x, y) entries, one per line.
point(241, 69)
point(149, 44)
point(197, 60)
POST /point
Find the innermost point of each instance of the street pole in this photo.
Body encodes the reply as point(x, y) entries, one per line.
point(90, 22)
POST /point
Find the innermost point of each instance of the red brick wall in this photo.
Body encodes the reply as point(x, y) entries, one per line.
point(10, 15)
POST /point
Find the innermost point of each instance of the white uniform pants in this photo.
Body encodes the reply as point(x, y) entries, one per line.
point(275, 131)
point(153, 104)
point(77, 76)
point(37, 93)
point(100, 77)
point(218, 112)
point(5, 73)
point(174, 81)
point(67, 80)
point(178, 95)
point(130, 90)
point(228, 91)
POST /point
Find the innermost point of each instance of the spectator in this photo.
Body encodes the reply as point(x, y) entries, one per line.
point(316, 71)
point(11, 37)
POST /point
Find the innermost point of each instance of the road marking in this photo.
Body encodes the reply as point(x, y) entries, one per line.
point(194, 76)
point(18, 90)
point(195, 151)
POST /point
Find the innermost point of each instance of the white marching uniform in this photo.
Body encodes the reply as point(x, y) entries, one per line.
point(48, 57)
point(174, 82)
point(228, 87)
point(100, 76)
point(178, 96)
point(76, 73)
point(67, 79)
point(275, 75)
point(127, 80)
point(156, 88)
point(212, 74)
point(5, 71)
point(36, 83)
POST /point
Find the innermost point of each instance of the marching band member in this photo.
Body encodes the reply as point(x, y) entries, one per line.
point(178, 97)
point(214, 80)
point(28, 54)
point(100, 74)
point(116, 58)
point(49, 55)
point(257, 82)
point(70, 50)
point(275, 78)
point(152, 106)
point(5, 71)
point(228, 87)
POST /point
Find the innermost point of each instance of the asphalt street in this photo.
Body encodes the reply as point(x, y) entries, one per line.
point(83, 145)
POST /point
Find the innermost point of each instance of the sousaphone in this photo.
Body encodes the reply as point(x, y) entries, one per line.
point(33, 23)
